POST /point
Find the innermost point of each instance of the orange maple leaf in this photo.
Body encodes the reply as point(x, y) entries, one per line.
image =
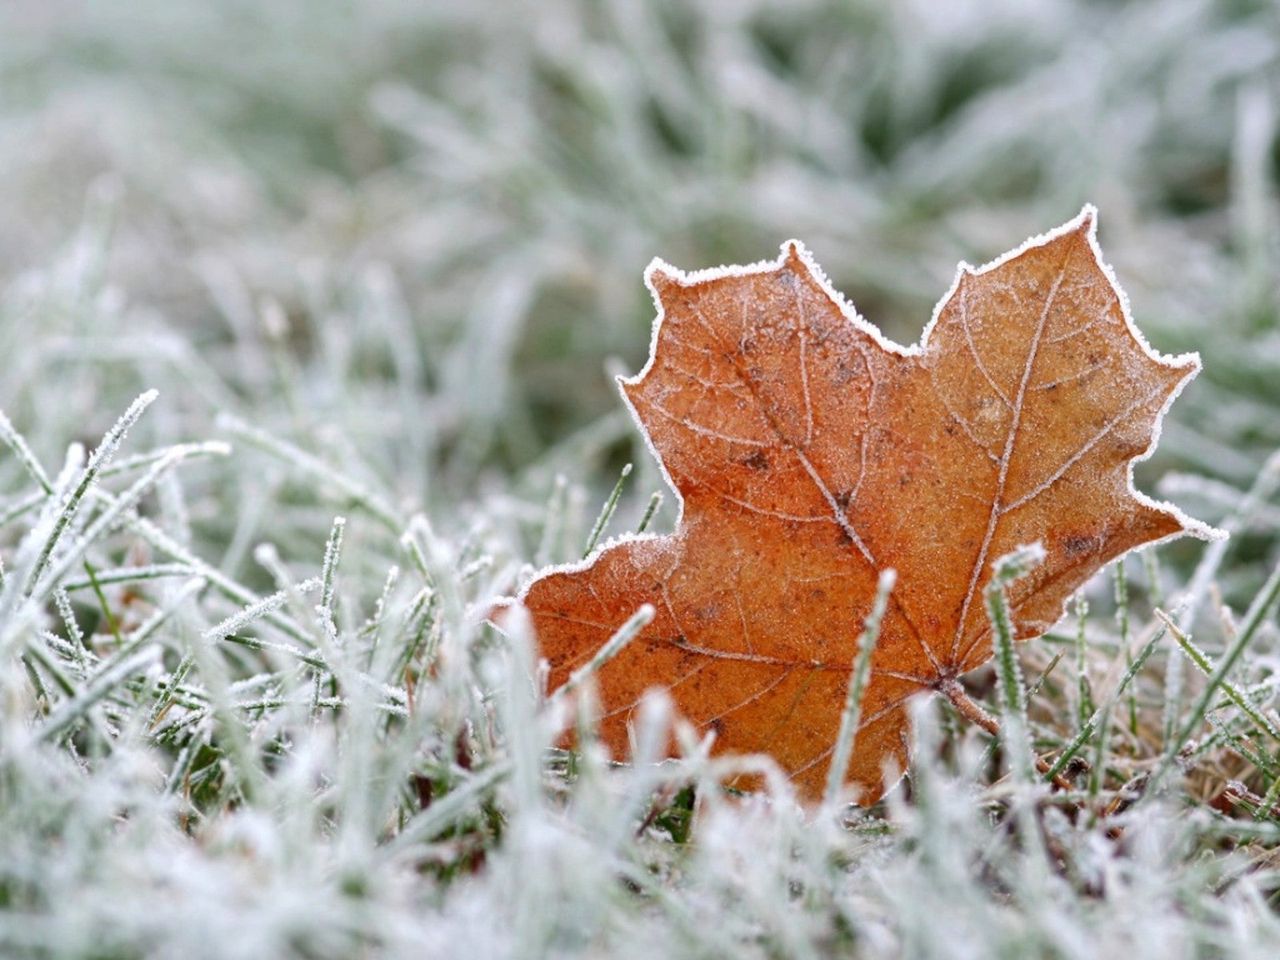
point(810, 453)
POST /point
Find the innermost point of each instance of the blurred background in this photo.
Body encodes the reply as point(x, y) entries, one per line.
point(407, 238)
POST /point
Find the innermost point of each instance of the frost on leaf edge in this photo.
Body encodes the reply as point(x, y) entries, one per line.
point(660, 274)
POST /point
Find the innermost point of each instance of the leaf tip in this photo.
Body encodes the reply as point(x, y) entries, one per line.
point(794, 254)
point(1201, 530)
point(1188, 363)
point(627, 386)
point(1087, 220)
point(661, 277)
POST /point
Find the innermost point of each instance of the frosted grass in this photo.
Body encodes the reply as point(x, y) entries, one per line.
point(380, 262)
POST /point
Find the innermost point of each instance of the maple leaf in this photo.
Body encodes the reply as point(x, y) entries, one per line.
point(810, 453)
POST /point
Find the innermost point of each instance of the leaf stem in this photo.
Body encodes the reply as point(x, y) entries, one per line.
point(977, 714)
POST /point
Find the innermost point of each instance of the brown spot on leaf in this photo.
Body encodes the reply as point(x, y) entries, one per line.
point(1077, 544)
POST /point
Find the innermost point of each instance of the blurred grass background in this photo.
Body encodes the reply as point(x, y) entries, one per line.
point(392, 250)
point(497, 175)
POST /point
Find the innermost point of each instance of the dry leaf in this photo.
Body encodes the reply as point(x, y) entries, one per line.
point(810, 453)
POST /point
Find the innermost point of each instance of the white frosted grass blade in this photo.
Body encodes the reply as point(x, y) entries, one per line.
point(97, 460)
point(257, 610)
point(117, 575)
point(104, 522)
point(159, 540)
point(328, 572)
point(214, 448)
point(18, 444)
point(849, 719)
point(57, 569)
point(24, 561)
point(99, 686)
